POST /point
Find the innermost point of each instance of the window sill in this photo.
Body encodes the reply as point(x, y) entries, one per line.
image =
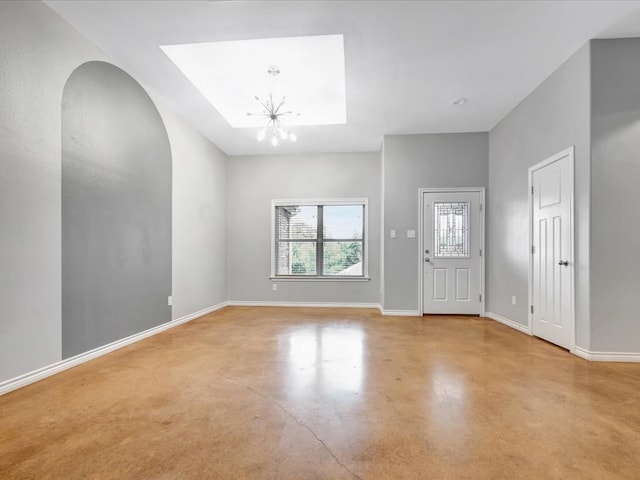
point(309, 278)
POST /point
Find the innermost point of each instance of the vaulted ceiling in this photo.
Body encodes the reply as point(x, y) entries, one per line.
point(405, 61)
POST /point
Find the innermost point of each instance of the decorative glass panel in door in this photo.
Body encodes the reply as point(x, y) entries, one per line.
point(451, 229)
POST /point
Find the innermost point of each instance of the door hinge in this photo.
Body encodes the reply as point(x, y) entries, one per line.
point(533, 250)
point(531, 189)
point(480, 252)
point(480, 207)
point(480, 298)
point(531, 308)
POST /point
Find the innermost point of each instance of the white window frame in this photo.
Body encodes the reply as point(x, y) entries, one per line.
point(325, 202)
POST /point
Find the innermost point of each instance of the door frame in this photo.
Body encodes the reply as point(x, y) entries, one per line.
point(421, 192)
point(568, 152)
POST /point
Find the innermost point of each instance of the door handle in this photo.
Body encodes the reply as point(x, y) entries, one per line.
point(563, 263)
point(427, 259)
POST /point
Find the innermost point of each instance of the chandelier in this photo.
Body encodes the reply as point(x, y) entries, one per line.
point(273, 115)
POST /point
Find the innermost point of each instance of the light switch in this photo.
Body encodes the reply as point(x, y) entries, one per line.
point(411, 234)
point(393, 234)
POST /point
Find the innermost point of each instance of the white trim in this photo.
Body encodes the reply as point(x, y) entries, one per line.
point(400, 313)
point(627, 357)
point(568, 152)
point(318, 201)
point(483, 248)
point(249, 303)
point(607, 356)
point(483, 203)
point(44, 372)
point(321, 201)
point(383, 226)
point(508, 322)
point(326, 278)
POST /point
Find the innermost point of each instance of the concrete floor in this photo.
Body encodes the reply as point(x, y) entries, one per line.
point(284, 393)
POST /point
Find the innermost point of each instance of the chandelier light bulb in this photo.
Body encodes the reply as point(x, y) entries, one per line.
point(274, 140)
point(283, 134)
point(292, 137)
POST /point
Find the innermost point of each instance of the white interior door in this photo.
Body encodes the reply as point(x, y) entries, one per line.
point(451, 250)
point(552, 249)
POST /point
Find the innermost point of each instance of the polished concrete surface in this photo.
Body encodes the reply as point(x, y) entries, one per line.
point(288, 393)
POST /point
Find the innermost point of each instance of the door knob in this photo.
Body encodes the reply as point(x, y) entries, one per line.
point(563, 263)
point(427, 259)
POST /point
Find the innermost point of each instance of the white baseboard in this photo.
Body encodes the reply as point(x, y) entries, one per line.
point(508, 322)
point(607, 356)
point(579, 351)
point(243, 303)
point(400, 313)
point(44, 372)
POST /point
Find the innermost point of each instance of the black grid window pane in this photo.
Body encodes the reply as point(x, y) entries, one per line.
point(296, 258)
point(297, 222)
point(343, 222)
point(342, 258)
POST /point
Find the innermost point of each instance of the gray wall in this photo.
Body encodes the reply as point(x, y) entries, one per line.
point(411, 162)
point(554, 117)
point(38, 53)
point(199, 219)
point(615, 195)
point(116, 210)
point(253, 181)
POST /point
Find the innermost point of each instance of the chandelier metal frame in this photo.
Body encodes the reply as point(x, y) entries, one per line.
point(273, 114)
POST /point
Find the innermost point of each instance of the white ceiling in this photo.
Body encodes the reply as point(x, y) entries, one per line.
point(231, 74)
point(404, 61)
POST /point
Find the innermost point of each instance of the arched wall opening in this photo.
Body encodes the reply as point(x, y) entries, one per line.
point(116, 209)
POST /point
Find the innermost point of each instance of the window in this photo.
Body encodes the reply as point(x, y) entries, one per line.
point(451, 230)
point(319, 239)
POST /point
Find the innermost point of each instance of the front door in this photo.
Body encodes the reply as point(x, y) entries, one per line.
point(451, 252)
point(551, 252)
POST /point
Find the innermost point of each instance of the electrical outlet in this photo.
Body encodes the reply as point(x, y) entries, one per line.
point(513, 300)
point(274, 287)
point(393, 234)
point(411, 234)
point(170, 300)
